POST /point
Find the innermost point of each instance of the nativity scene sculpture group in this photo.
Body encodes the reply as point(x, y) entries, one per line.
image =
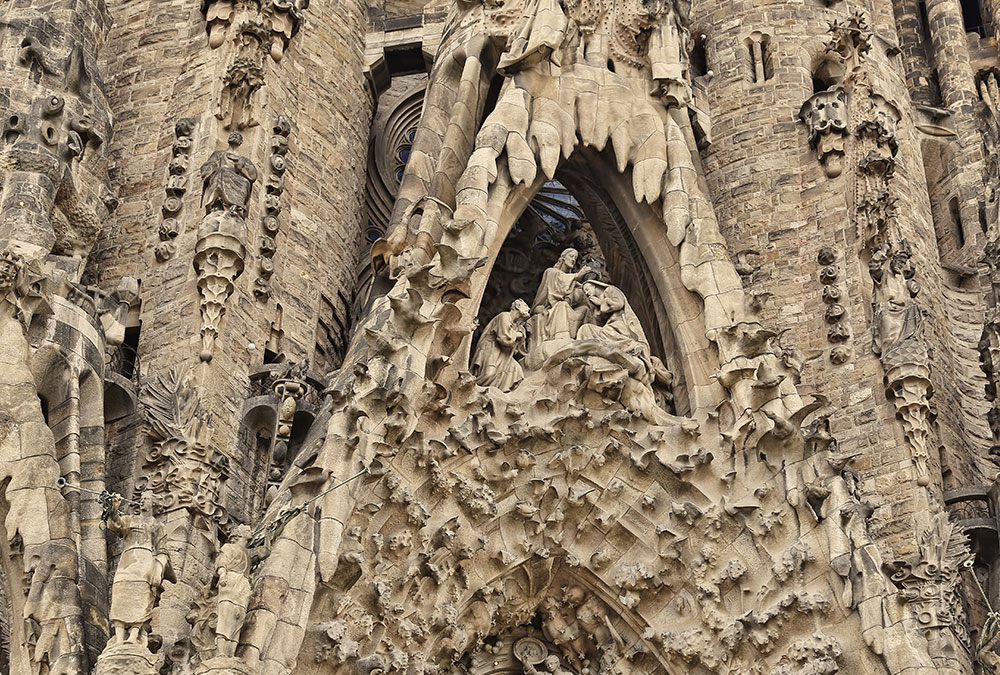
point(574, 315)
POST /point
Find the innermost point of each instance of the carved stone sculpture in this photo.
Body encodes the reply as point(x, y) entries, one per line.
point(227, 184)
point(501, 342)
point(232, 568)
point(930, 582)
point(182, 468)
point(825, 115)
point(897, 338)
point(142, 569)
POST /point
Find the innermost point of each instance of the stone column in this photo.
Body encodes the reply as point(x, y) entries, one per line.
point(289, 79)
point(958, 92)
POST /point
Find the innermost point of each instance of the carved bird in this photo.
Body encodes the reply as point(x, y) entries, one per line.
point(452, 268)
point(754, 340)
point(796, 359)
point(782, 428)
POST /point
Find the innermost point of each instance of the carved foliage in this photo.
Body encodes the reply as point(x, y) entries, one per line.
point(180, 466)
point(930, 581)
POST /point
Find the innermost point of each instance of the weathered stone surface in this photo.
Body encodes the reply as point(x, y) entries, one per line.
point(665, 350)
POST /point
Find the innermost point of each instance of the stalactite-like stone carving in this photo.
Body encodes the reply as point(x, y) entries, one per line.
point(228, 180)
point(270, 221)
point(825, 115)
point(170, 226)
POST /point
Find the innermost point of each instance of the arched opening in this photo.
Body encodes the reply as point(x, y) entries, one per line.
point(255, 436)
point(759, 56)
point(590, 206)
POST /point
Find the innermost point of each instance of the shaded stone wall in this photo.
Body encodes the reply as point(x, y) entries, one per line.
point(164, 71)
point(773, 196)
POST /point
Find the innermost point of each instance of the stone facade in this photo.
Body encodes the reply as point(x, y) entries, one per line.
point(530, 337)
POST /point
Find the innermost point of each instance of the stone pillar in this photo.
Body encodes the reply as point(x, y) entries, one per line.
point(958, 92)
point(289, 79)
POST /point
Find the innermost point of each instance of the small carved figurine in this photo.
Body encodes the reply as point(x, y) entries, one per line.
point(143, 567)
point(232, 568)
point(227, 179)
point(502, 341)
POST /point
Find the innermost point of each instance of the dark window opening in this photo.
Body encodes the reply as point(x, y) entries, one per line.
point(925, 26)
point(826, 74)
point(956, 220)
point(45, 408)
point(269, 356)
point(130, 349)
point(982, 217)
point(699, 59)
point(972, 17)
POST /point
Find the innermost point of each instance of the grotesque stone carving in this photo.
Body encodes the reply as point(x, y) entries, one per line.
point(825, 115)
